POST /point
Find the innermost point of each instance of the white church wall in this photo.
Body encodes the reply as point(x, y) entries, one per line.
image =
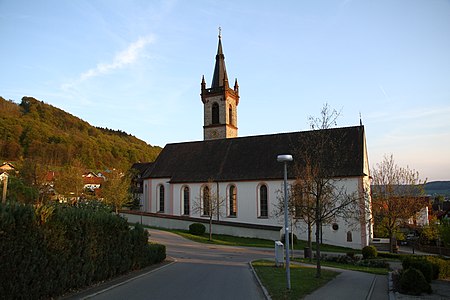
point(248, 207)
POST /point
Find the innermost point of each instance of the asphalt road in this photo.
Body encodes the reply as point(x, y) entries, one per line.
point(200, 271)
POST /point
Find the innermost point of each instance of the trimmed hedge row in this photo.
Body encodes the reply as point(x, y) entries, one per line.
point(48, 250)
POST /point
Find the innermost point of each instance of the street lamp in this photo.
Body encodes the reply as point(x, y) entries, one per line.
point(285, 158)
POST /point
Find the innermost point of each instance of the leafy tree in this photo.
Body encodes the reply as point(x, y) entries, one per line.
point(115, 189)
point(429, 234)
point(396, 196)
point(444, 232)
point(69, 181)
point(18, 191)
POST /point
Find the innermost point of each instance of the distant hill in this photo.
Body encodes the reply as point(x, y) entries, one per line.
point(436, 188)
point(40, 132)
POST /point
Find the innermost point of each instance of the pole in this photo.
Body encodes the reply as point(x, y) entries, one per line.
point(5, 188)
point(286, 229)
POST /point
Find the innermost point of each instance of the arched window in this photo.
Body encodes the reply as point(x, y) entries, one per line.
point(161, 198)
point(349, 236)
point(232, 200)
point(263, 207)
point(206, 201)
point(230, 115)
point(215, 113)
point(186, 204)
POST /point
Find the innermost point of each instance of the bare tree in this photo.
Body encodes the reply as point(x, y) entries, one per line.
point(300, 207)
point(320, 196)
point(209, 203)
point(304, 209)
point(396, 195)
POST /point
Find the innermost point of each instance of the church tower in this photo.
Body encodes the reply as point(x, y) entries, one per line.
point(220, 102)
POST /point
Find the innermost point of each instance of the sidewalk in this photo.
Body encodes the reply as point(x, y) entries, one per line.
point(353, 285)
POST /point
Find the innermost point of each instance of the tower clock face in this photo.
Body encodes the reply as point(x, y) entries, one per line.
point(214, 134)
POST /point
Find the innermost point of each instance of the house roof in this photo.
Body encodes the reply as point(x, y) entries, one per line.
point(93, 180)
point(6, 166)
point(255, 157)
point(143, 168)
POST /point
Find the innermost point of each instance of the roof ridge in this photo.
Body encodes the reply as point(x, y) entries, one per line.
point(266, 135)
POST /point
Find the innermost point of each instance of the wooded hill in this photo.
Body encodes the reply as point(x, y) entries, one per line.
point(34, 130)
point(436, 188)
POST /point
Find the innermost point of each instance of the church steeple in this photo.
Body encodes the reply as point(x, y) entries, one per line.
point(220, 101)
point(220, 77)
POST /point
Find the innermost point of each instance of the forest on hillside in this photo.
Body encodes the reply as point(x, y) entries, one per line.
point(36, 132)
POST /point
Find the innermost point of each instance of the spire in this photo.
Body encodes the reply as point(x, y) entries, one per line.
point(203, 82)
point(236, 86)
point(220, 78)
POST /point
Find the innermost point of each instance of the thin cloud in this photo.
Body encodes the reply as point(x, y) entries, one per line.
point(122, 59)
point(384, 93)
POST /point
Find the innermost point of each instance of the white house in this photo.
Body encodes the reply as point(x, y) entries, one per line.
point(244, 171)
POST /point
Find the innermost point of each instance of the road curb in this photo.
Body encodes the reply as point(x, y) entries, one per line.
point(391, 287)
point(264, 290)
point(85, 294)
point(372, 286)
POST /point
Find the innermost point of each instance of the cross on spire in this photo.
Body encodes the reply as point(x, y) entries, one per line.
point(220, 32)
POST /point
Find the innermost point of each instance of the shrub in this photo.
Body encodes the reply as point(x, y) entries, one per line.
point(157, 253)
point(390, 255)
point(197, 229)
point(369, 252)
point(413, 282)
point(424, 266)
point(373, 263)
point(441, 266)
point(342, 259)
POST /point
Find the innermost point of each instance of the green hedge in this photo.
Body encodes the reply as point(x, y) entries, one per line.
point(391, 255)
point(440, 266)
point(48, 250)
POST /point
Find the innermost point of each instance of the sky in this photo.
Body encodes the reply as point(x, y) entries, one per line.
point(137, 65)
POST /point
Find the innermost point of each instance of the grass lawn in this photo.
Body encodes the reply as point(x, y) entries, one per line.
point(372, 270)
point(303, 279)
point(221, 239)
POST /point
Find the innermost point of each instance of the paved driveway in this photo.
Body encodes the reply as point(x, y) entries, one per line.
point(200, 272)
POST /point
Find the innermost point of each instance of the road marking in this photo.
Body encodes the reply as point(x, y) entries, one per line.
point(372, 286)
point(129, 280)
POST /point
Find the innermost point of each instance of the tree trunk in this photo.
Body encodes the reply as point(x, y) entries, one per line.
point(310, 240)
point(210, 226)
point(318, 269)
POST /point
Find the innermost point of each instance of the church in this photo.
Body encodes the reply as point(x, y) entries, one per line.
point(243, 174)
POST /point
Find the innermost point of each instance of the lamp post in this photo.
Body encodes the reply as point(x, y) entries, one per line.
point(285, 158)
